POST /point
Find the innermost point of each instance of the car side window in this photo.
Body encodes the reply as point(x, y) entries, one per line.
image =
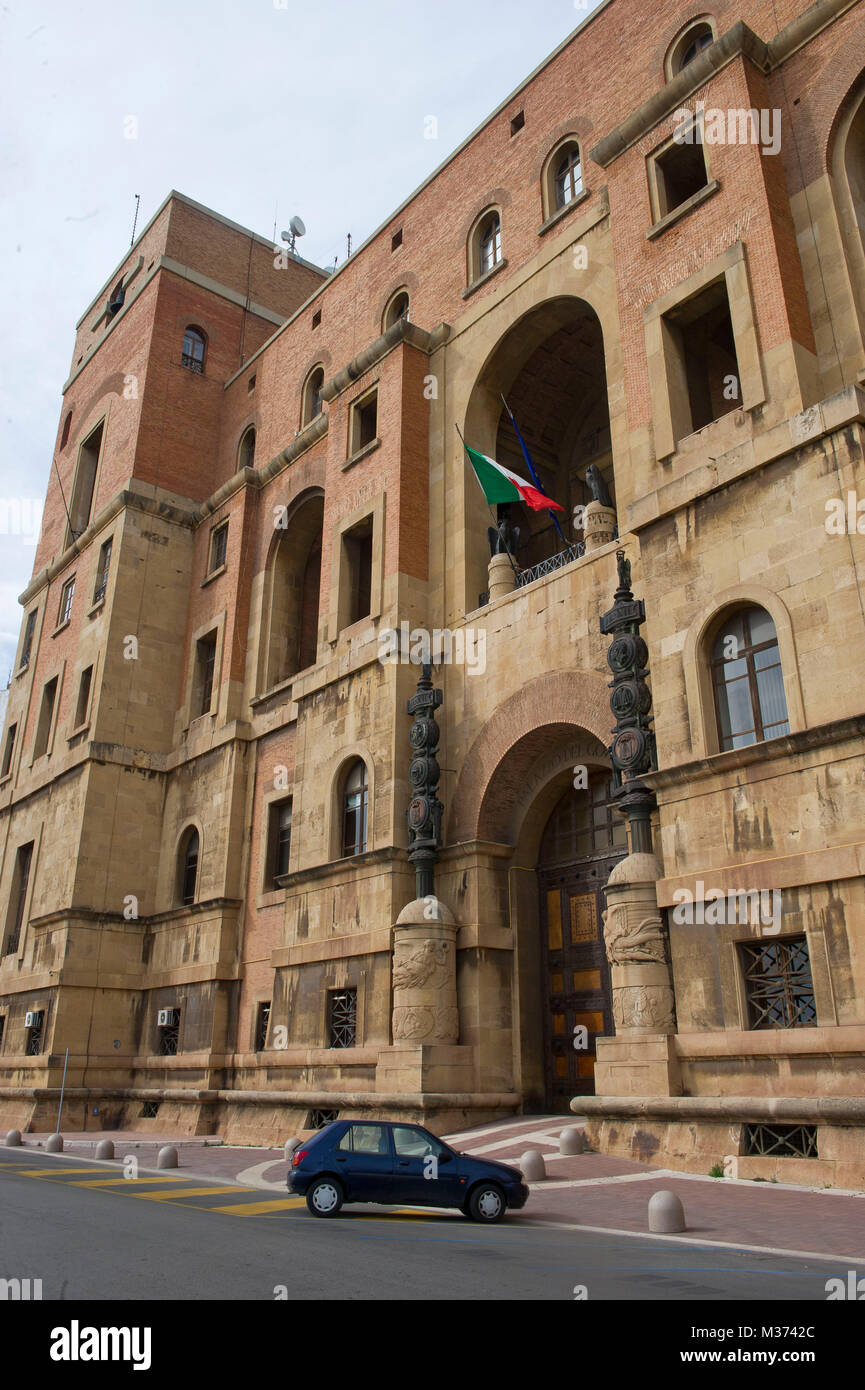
point(364, 1139)
point(413, 1143)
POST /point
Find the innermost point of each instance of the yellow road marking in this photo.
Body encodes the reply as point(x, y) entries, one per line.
point(59, 1172)
point(113, 1182)
point(171, 1193)
point(259, 1208)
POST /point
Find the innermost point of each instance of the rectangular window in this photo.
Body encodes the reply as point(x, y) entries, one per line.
point(279, 841)
point(83, 703)
point(778, 985)
point(33, 1033)
point(357, 571)
point(46, 718)
point(27, 646)
point(218, 547)
point(8, 750)
point(67, 594)
point(681, 172)
point(168, 1032)
point(364, 422)
point(18, 898)
point(2, 1028)
point(262, 1023)
point(102, 571)
point(702, 362)
point(81, 503)
point(342, 1017)
point(205, 659)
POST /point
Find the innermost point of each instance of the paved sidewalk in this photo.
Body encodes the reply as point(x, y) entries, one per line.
point(592, 1190)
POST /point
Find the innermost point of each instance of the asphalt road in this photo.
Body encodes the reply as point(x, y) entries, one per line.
point(163, 1237)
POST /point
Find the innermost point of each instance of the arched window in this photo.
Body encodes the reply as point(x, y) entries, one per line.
point(117, 300)
point(311, 402)
point(67, 425)
point(748, 684)
point(688, 46)
point(397, 309)
point(489, 243)
point(188, 866)
point(194, 349)
point(568, 176)
point(354, 813)
point(246, 449)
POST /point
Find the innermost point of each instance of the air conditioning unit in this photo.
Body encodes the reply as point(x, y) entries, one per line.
point(168, 1018)
point(33, 1018)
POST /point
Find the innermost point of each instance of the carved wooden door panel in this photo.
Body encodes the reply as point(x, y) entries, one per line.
point(576, 977)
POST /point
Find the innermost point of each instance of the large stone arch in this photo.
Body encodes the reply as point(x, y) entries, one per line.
point(523, 747)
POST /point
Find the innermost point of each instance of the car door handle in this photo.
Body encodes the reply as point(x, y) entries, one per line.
point(404, 1163)
point(340, 1160)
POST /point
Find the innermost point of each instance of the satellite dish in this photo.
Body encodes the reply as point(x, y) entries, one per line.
point(298, 226)
point(286, 236)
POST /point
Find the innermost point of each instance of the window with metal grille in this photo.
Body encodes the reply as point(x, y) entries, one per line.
point(27, 645)
point(218, 547)
point(194, 349)
point(168, 1038)
point(279, 834)
point(66, 596)
point(33, 1034)
point(342, 1017)
point(317, 1119)
point(189, 867)
point(262, 1023)
point(569, 178)
point(780, 1141)
point(149, 1110)
point(102, 571)
point(748, 681)
point(8, 750)
point(355, 806)
point(778, 985)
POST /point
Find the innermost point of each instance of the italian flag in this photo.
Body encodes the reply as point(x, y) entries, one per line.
point(499, 484)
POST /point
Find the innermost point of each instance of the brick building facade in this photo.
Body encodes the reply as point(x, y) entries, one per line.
point(205, 763)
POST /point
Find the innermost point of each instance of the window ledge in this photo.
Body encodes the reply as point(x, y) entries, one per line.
point(25, 666)
point(95, 607)
point(7, 777)
point(214, 574)
point(482, 279)
point(79, 729)
point(561, 213)
point(274, 690)
point(683, 209)
point(361, 454)
point(60, 628)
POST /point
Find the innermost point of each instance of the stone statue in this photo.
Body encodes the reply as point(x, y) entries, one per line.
point(628, 945)
point(503, 538)
point(430, 963)
point(624, 566)
point(600, 491)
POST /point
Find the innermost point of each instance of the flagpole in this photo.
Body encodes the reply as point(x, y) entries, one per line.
point(478, 481)
point(531, 467)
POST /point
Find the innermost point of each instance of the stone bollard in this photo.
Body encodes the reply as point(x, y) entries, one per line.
point(13, 1139)
point(104, 1149)
point(571, 1141)
point(500, 577)
point(600, 525)
point(167, 1157)
point(289, 1147)
point(54, 1144)
point(666, 1213)
point(532, 1165)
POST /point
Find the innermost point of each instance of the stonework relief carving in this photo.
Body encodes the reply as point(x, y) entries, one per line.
point(430, 964)
point(644, 1006)
point(629, 945)
point(415, 1022)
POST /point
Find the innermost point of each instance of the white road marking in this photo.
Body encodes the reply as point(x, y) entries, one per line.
point(252, 1177)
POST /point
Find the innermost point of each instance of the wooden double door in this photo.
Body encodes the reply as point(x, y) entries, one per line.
point(576, 989)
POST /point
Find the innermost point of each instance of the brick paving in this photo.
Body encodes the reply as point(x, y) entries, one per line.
point(590, 1189)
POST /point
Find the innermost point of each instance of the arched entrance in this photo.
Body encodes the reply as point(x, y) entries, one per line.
point(583, 840)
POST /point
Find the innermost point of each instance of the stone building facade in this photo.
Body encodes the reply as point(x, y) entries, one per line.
point(655, 251)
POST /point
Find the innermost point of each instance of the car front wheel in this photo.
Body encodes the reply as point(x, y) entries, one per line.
point(325, 1197)
point(487, 1203)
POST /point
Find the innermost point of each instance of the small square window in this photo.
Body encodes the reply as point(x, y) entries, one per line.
point(218, 547)
point(250, 385)
point(396, 240)
point(518, 122)
point(364, 422)
point(681, 172)
point(316, 318)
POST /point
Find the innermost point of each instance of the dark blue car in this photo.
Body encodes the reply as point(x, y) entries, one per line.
point(399, 1164)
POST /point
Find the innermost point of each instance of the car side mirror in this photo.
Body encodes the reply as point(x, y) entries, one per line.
point(445, 1157)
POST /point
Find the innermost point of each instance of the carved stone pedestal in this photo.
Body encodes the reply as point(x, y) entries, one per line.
point(600, 525)
point(641, 1059)
point(425, 1055)
point(502, 579)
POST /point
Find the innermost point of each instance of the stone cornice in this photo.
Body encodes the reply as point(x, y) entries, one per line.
point(821, 736)
point(403, 331)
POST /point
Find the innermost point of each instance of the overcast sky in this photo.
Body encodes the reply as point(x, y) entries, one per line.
point(256, 108)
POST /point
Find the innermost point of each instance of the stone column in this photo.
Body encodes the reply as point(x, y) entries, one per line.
point(642, 1058)
point(502, 579)
point(600, 525)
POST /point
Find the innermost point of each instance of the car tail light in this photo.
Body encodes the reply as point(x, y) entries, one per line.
point(298, 1156)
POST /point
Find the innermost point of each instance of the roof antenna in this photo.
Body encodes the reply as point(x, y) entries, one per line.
point(135, 219)
point(297, 228)
point(348, 257)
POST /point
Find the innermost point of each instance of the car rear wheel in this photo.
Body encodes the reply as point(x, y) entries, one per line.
point(325, 1197)
point(487, 1203)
